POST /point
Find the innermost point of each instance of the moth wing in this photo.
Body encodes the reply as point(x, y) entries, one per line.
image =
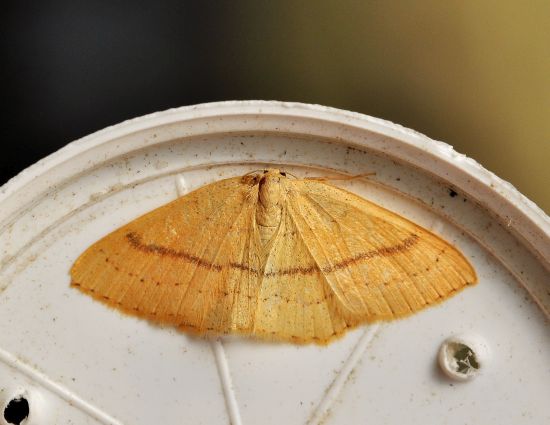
point(379, 264)
point(192, 263)
point(295, 303)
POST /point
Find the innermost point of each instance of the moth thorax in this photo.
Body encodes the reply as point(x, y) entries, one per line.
point(268, 212)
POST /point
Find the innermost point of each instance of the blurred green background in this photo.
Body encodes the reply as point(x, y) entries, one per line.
point(475, 74)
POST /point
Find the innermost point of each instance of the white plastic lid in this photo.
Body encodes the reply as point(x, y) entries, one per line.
point(76, 361)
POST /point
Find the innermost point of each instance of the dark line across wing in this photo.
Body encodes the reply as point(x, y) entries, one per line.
point(135, 241)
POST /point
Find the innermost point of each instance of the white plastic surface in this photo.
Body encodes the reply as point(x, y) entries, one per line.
point(80, 362)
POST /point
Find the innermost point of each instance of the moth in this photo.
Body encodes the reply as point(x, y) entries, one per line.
point(271, 256)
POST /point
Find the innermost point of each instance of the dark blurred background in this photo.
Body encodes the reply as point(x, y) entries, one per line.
point(475, 74)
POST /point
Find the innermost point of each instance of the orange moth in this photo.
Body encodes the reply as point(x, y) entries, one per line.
point(272, 257)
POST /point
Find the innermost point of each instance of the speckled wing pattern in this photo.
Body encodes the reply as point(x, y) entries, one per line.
point(335, 261)
point(378, 264)
point(181, 264)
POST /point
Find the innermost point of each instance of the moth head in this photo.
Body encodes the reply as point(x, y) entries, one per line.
point(269, 186)
point(273, 173)
point(260, 176)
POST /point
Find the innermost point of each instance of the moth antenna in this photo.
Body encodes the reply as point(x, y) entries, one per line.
point(290, 174)
point(356, 176)
point(253, 171)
